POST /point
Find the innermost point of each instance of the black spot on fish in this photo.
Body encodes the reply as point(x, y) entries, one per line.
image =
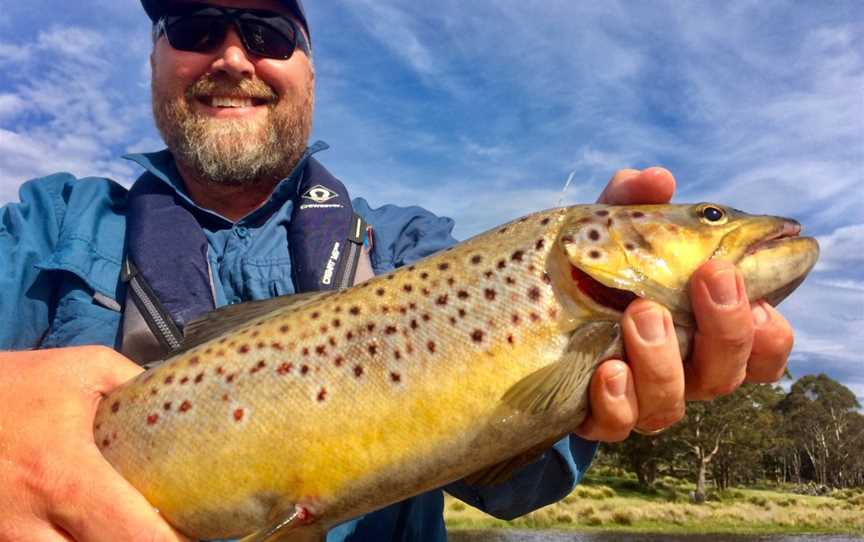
point(407, 287)
point(594, 235)
point(595, 254)
point(477, 335)
point(358, 371)
point(462, 294)
point(602, 212)
point(545, 221)
point(443, 266)
point(476, 259)
point(380, 291)
point(489, 293)
point(539, 244)
point(534, 294)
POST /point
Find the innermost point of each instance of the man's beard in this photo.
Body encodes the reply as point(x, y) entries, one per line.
point(235, 152)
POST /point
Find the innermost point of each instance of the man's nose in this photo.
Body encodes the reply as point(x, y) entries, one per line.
point(232, 57)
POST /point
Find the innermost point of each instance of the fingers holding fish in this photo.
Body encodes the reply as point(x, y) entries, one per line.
point(724, 334)
point(652, 350)
point(632, 186)
point(614, 406)
point(772, 343)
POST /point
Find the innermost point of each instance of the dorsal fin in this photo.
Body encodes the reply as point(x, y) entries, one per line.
point(230, 317)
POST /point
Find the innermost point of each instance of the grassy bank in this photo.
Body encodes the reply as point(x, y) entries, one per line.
point(606, 502)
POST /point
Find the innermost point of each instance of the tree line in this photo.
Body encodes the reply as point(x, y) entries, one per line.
point(811, 435)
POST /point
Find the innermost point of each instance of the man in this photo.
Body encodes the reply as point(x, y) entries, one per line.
point(233, 99)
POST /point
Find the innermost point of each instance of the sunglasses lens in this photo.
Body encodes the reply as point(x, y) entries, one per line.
point(198, 34)
point(265, 40)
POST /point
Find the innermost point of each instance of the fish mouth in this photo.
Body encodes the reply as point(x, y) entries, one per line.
point(787, 229)
point(611, 298)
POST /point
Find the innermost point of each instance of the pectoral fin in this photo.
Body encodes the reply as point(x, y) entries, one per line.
point(295, 527)
point(557, 383)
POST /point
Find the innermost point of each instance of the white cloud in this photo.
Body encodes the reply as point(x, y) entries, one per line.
point(842, 249)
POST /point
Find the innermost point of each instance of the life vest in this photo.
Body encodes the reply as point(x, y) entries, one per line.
point(167, 273)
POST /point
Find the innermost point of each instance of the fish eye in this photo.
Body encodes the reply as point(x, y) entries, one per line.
point(712, 214)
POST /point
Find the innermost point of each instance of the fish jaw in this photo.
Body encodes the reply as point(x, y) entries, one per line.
point(773, 269)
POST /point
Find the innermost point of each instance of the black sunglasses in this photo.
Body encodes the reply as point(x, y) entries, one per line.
point(202, 28)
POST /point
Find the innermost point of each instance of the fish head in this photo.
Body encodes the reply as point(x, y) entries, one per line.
point(617, 253)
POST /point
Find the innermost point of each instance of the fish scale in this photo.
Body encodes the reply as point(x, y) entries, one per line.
point(352, 400)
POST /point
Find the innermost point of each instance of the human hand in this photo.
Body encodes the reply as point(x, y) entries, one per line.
point(735, 341)
point(55, 485)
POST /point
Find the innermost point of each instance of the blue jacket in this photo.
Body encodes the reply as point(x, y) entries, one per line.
point(62, 246)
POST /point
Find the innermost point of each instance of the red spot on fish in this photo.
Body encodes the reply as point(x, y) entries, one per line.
point(220, 370)
point(220, 353)
point(169, 379)
point(244, 349)
point(238, 414)
point(185, 406)
point(115, 407)
point(431, 346)
point(193, 361)
point(225, 397)
point(284, 368)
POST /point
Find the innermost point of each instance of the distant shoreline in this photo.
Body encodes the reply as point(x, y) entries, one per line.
point(596, 507)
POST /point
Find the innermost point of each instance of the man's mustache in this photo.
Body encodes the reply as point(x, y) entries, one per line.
point(209, 85)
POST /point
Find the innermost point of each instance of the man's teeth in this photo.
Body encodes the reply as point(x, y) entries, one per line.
point(218, 101)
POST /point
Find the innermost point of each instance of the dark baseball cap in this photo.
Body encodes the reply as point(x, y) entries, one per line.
point(156, 8)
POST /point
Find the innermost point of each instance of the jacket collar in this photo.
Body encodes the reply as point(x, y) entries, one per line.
point(161, 164)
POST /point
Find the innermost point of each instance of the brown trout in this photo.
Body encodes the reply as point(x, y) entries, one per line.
point(284, 417)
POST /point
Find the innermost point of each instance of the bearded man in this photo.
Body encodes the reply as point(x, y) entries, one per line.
point(227, 213)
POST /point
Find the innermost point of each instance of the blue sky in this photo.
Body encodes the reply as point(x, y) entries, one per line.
point(480, 110)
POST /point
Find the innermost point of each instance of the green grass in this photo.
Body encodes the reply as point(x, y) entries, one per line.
point(608, 502)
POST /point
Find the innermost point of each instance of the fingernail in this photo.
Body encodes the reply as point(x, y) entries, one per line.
point(649, 324)
point(617, 385)
point(723, 287)
point(760, 315)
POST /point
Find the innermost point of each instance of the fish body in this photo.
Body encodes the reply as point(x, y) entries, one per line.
point(467, 363)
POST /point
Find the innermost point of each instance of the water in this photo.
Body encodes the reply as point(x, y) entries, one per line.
point(564, 536)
